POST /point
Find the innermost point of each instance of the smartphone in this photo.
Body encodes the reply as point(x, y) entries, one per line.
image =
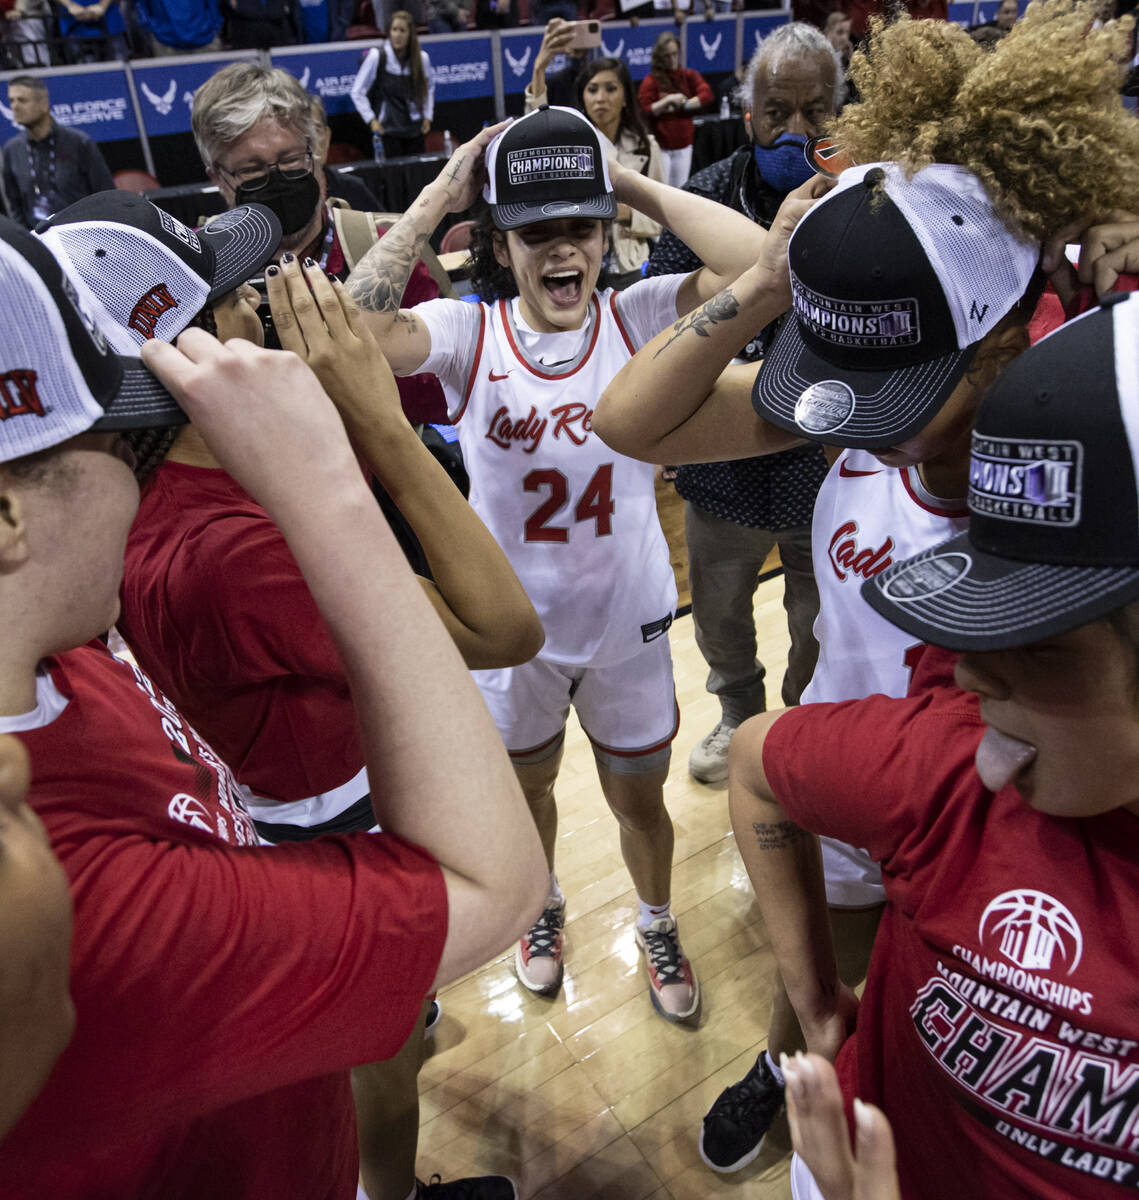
point(585, 35)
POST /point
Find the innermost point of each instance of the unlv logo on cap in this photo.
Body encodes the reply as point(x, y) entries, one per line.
point(145, 314)
point(19, 395)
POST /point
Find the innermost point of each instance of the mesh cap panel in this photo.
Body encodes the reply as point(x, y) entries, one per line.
point(137, 287)
point(982, 267)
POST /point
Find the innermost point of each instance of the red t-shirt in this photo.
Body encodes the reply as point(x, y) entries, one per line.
point(222, 990)
point(999, 1026)
point(215, 609)
point(673, 131)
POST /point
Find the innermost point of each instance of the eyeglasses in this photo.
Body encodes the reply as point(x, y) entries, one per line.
point(291, 166)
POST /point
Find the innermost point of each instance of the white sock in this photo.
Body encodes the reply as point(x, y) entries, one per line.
point(555, 890)
point(773, 1067)
point(651, 912)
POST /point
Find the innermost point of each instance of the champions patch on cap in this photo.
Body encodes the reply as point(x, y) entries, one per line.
point(865, 324)
point(551, 162)
point(1034, 481)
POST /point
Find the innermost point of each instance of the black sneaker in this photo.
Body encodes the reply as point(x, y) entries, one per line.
point(484, 1187)
point(736, 1124)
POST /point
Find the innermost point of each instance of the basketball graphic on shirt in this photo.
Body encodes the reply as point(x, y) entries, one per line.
point(1031, 930)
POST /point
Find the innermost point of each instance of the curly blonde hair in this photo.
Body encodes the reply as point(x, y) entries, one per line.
point(1038, 119)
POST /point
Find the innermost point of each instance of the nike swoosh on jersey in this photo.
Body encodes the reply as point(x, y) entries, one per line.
point(850, 472)
point(496, 378)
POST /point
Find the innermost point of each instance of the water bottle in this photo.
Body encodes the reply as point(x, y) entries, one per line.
point(725, 107)
point(378, 147)
point(448, 143)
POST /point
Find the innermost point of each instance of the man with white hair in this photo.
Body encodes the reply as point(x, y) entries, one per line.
point(737, 511)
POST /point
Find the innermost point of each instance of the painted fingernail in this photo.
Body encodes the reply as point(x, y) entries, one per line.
point(288, 257)
point(272, 271)
point(310, 262)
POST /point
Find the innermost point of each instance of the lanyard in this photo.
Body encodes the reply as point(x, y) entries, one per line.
point(50, 182)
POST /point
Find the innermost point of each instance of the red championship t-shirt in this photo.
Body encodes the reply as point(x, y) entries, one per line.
point(215, 608)
point(222, 989)
point(1000, 1026)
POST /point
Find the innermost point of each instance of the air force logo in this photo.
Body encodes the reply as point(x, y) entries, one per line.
point(164, 103)
point(1036, 481)
point(711, 48)
point(521, 64)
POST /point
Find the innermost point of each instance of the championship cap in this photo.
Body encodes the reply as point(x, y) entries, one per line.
point(58, 376)
point(546, 165)
point(142, 273)
point(895, 281)
point(1053, 539)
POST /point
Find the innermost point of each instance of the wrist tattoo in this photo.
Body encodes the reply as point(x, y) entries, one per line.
point(780, 836)
point(722, 307)
point(378, 280)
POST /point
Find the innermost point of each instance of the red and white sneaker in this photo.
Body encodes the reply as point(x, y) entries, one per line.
point(673, 988)
point(538, 956)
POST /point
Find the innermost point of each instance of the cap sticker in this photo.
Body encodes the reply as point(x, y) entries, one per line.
point(537, 163)
point(227, 220)
point(561, 208)
point(1035, 481)
point(824, 406)
point(862, 324)
point(176, 229)
point(926, 577)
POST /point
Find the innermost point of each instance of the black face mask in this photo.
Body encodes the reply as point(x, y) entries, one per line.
point(293, 201)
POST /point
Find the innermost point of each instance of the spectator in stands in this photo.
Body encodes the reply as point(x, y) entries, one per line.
point(1003, 19)
point(543, 11)
point(394, 90)
point(737, 511)
point(837, 32)
point(446, 16)
point(36, 1013)
point(337, 184)
point(24, 35)
point(181, 26)
point(49, 165)
point(554, 87)
point(496, 14)
point(260, 24)
point(92, 30)
point(669, 94)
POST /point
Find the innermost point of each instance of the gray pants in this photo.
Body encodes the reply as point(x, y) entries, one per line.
point(724, 562)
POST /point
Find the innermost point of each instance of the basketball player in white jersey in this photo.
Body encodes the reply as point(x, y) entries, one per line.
point(522, 372)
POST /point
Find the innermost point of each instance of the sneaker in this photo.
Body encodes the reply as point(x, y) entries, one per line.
point(482, 1187)
point(736, 1124)
point(672, 985)
point(431, 1019)
point(538, 956)
point(708, 762)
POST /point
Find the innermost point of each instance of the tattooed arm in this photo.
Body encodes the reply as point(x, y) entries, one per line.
point(378, 280)
point(786, 871)
point(724, 240)
point(674, 401)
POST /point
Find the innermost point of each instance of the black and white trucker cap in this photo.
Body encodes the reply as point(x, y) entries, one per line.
point(1053, 539)
point(142, 273)
point(545, 166)
point(58, 375)
point(895, 281)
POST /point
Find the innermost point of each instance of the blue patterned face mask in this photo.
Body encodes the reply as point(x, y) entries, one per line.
point(784, 165)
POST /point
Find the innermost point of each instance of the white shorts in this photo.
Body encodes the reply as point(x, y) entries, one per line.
point(628, 709)
point(803, 1185)
point(853, 879)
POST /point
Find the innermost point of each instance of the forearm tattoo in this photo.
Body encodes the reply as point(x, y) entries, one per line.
point(780, 836)
point(378, 280)
point(722, 307)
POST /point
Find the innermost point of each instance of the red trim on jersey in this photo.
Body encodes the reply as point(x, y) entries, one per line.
point(474, 367)
point(620, 323)
point(937, 512)
point(542, 374)
point(648, 749)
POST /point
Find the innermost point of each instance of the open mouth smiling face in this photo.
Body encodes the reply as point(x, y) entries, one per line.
point(556, 265)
